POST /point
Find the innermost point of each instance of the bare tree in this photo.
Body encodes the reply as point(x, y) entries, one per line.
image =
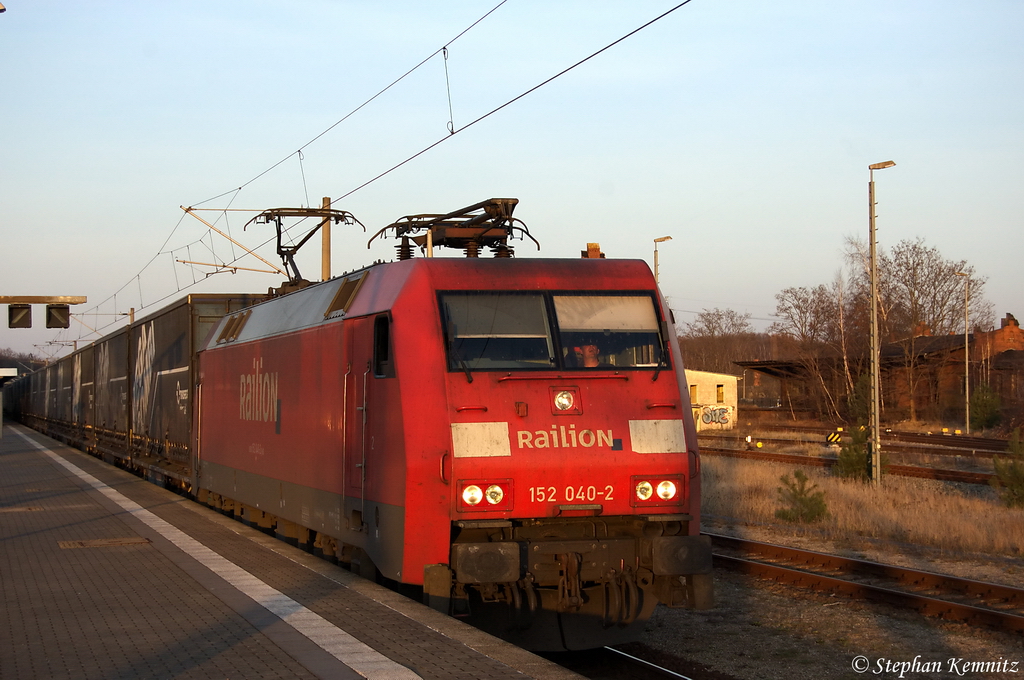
point(927, 291)
point(718, 337)
point(812, 318)
point(24, 361)
point(803, 313)
point(718, 322)
point(919, 293)
point(919, 289)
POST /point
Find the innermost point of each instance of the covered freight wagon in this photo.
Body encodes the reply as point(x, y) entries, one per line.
point(128, 397)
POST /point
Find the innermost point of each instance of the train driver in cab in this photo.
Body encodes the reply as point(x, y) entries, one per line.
point(588, 355)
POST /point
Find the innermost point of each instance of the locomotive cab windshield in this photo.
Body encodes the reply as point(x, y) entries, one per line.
point(553, 331)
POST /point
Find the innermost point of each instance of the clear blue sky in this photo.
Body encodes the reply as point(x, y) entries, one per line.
point(741, 128)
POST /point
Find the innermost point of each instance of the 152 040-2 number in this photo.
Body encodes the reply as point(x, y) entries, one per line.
point(550, 494)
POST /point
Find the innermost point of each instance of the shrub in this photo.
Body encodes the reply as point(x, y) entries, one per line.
point(1009, 477)
point(803, 502)
point(853, 456)
point(985, 407)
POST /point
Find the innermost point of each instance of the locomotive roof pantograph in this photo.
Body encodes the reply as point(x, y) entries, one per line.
point(488, 224)
point(287, 252)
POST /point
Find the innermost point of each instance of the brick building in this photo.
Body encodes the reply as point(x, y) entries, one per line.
point(932, 368)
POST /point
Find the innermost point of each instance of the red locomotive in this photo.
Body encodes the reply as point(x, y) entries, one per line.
point(510, 434)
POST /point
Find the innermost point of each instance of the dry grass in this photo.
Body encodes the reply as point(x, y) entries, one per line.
point(960, 519)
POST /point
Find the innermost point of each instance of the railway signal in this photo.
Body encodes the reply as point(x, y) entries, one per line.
point(58, 316)
point(58, 309)
point(19, 316)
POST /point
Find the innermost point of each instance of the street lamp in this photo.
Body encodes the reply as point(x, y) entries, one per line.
point(876, 430)
point(967, 356)
point(656, 242)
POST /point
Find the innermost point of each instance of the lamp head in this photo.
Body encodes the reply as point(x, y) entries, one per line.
point(881, 166)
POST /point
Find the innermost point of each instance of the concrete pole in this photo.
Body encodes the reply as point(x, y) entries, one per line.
point(325, 229)
point(876, 385)
point(876, 431)
point(967, 352)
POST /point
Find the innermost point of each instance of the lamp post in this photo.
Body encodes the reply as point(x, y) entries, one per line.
point(656, 242)
point(876, 430)
point(967, 355)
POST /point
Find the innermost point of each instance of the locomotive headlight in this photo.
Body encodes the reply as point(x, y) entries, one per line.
point(644, 490)
point(564, 400)
point(666, 490)
point(472, 495)
point(494, 494)
point(499, 494)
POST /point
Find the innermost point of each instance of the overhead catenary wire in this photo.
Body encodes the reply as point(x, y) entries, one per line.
point(302, 171)
point(452, 131)
point(508, 103)
point(448, 87)
point(238, 189)
point(365, 103)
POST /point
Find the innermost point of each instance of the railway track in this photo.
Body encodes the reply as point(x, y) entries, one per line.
point(641, 668)
point(609, 663)
point(946, 597)
point(941, 441)
point(952, 449)
point(814, 461)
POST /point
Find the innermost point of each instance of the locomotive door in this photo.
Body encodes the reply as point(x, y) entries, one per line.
point(356, 398)
point(365, 420)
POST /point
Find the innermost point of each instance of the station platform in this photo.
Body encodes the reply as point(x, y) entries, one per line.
point(104, 575)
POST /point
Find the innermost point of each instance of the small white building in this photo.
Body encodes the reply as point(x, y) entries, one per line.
point(713, 397)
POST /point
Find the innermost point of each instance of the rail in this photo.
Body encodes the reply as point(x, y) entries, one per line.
point(814, 461)
point(608, 663)
point(945, 440)
point(974, 602)
point(893, 446)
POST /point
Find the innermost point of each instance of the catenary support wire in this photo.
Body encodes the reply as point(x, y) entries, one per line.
point(452, 130)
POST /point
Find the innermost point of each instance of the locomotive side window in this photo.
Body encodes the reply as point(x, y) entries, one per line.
point(497, 331)
point(622, 330)
point(383, 366)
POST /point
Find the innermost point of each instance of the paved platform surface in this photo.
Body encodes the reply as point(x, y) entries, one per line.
point(104, 575)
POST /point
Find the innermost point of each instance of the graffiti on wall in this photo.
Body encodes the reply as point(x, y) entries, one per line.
point(713, 416)
point(143, 384)
point(76, 390)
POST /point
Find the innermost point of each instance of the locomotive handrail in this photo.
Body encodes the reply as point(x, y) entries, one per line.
point(444, 457)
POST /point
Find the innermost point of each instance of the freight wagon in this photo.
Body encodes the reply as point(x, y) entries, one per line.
point(128, 397)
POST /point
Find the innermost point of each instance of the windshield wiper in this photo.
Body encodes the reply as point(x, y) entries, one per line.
point(465, 367)
point(451, 343)
point(662, 361)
